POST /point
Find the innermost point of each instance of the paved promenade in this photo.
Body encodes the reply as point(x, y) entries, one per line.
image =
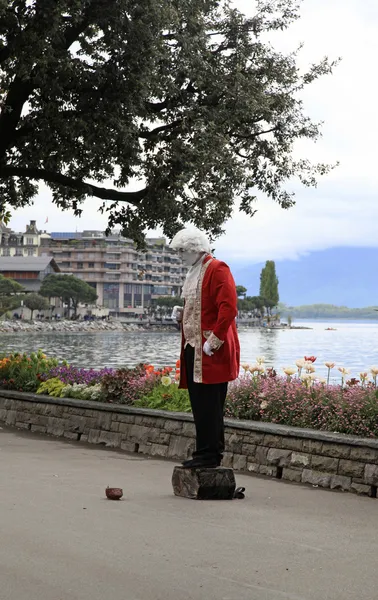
point(61, 540)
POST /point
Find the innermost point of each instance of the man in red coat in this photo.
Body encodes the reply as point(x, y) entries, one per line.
point(210, 351)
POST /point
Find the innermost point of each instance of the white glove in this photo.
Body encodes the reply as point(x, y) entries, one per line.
point(177, 313)
point(207, 350)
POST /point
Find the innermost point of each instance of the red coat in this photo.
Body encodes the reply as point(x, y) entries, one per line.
point(217, 310)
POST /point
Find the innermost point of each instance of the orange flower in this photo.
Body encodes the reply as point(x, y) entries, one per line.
point(177, 376)
point(178, 364)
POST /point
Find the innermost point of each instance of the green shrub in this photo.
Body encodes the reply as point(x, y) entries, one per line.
point(166, 398)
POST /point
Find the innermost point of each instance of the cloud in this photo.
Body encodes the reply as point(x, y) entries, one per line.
point(343, 210)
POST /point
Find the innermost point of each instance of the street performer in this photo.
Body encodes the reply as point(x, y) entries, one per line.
point(210, 351)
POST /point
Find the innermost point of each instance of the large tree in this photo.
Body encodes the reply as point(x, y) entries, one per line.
point(183, 105)
point(35, 302)
point(269, 285)
point(69, 289)
point(10, 291)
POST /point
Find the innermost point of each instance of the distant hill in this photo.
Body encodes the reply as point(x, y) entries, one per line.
point(340, 276)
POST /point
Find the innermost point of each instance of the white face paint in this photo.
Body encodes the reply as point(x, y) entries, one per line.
point(189, 258)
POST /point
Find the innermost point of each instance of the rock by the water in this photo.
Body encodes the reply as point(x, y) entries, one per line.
point(204, 483)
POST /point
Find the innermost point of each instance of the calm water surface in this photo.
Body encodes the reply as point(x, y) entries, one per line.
point(354, 345)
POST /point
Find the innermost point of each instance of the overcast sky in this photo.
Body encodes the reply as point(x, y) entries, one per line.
point(343, 210)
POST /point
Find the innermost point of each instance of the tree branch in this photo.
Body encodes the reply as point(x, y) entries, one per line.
point(75, 184)
point(146, 135)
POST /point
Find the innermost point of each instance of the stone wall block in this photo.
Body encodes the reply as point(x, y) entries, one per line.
point(39, 428)
point(11, 417)
point(291, 443)
point(109, 439)
point(364, 454)
point(340, 482)
point(335, 450)
point(71, 435)
point(300, 460)
point(126, 418)
point(268, 470)
point(253, 467)
point(261, 455)
point(159, 450)
point(351, 468)
point(278, 457)
point(228, 459)
point(188, 429)
point(179, 447)
point(239, 462)
point(128, 446)
point(325, 463)
point(55, 426)
point(371, 474)
point(273, 441)
point(104, 421)
point(172, 426)
point(360, 489)
point(292, 475)
point(253, 437)
point(249, 449)
point(93, 436)
point(312, 446)
point(316, 478)
point(234, 443)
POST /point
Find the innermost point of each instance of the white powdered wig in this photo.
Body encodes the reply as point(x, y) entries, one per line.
point(191, 240)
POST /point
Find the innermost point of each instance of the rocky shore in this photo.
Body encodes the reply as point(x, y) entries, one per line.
point(17, 326)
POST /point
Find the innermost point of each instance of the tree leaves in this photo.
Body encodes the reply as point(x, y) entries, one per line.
point(184, 106)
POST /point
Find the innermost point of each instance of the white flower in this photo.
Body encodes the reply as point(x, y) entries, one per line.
point(313, 376)
point(245, 367)
point(289, 371)
point(258, 368)
point(264, 405)
point(300, 363)
point(166, 381)
point(306, 377)
point(330, 365)
point(364, 376)
point(374, 371)
point(309, 366)
point(322, 380)
point(260, 360)
point(344, 371)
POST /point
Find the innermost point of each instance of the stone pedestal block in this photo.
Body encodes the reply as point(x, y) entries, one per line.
point(204, 483)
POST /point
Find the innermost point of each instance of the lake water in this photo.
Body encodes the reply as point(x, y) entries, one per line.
point(353, 345)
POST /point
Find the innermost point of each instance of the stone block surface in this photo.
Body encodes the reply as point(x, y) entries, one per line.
point(292, 475)
point(316, 478)
point(204, 484)
point(325, 463)
point(335, 450)
point(340, 482)
point(371, 474)
point(361, 489)
point(239, 462)
point(298, 459)
point(364, 454)
point(277, 456)
point(351, 468)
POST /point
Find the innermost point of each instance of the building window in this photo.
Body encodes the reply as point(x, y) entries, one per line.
point(111, 295)
point(30, 252)
point(80, 265)
point(30, 241)
point(91, 265)
point(111, 266)
point(6, 252)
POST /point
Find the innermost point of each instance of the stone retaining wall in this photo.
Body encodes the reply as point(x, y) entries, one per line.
point(300, 455)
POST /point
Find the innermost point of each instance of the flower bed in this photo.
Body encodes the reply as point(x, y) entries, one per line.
point(298, 398)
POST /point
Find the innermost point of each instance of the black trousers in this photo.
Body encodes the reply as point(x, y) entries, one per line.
point(207, 402)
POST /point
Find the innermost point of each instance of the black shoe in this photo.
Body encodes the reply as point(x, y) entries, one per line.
point(198, 463)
